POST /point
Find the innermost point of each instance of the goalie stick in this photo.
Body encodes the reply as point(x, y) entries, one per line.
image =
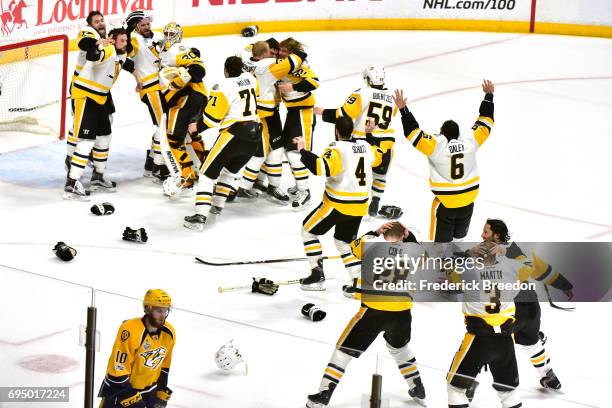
point(244, 287)
point(553, 305)
point(263, 261)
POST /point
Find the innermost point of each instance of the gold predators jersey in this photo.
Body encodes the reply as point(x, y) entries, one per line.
point(391, 301)
point(85, 32)
point(139, 356)
point(145, 54)
point(97, 77)
point(179, 55)
point(374, 104)
point(348, 168)
point(454, 177)
point(304, 81)
point(233, 100)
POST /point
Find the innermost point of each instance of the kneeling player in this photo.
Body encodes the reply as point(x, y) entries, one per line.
point(380, 312)
point(233, 107)
point(138, 367)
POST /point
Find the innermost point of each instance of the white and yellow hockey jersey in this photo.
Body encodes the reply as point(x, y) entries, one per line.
point(97, 77)
point(304, 81)
point(233, 100)
point(85, 32)
point(374, 104)
point(146, 56)
point(348, 168)
point(177, 56)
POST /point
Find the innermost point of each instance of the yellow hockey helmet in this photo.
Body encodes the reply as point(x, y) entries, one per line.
point(156, 298)
point(173, 33)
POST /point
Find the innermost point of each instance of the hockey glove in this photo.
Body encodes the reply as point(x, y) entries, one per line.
point(265, 286)
point(103, 209)
point(139, 235)
point(390, 212)
point(132, 401)
point(162, 396)
point(64, 252)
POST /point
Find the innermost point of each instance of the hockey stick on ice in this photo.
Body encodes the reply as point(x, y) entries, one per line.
point(553, 305)
point(263, 261)
point(244, 287)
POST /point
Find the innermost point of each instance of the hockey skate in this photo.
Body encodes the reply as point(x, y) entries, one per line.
point(148, 166)
point(195, 222)
point(350, 291)
point(320, 399)
point(216, 210)
point(99, 183)
point(275, 195)
point(292, 190)
point(374, 204)
point(160, 173)
point(469, 393)
point(301, 200)
point(74, 190)
point(418, 392)
point(550, 381)
point(314, 282)
point(250, 194)
point(260, 185)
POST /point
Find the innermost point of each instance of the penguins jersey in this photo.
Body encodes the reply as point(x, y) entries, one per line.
point(177, 56)
point(233, 100)
point(374, 104)
point(391, 301)
point(145, 54)
point(138, 357)
point(494, 307)
point(268, 71)
point(97, 77)
point(347, 164)
point(84, 39)
point(304, 81)
point(454, 177)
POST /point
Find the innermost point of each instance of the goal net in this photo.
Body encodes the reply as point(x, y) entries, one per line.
point(33, 86)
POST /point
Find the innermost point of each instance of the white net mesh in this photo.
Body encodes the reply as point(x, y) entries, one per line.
point(31, 87)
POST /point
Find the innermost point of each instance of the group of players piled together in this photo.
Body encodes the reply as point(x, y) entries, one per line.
point(251, 146)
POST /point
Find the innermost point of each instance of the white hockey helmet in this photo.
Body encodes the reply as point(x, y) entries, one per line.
point(228, 356)
point(173, 33)
point(374, 75)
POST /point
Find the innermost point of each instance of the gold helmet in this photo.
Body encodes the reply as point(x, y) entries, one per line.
point(173, 33)
point(156, 298)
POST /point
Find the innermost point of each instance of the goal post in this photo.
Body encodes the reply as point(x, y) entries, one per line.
point(33, 86)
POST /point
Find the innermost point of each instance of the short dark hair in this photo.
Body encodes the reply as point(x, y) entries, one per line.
point(273, 43)
point(499, 228)
point(233, 66)
point(115, 32)
point(396, 230)
point(344, 127)
point(450, 129)
point(92, 14)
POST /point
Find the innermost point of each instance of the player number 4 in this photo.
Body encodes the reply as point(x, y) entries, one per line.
point(360, 172)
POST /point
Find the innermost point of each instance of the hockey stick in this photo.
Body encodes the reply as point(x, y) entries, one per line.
point(244, 287)
point(553, 305)
point(264, 261)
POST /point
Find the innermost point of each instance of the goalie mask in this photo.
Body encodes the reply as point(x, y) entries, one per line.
point(374, 75)
point(228, 356)
point(173, 33)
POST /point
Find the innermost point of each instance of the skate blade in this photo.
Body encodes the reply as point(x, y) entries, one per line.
point(147, 174)
point(277, 201)
point(194, 227)
point(75, 197)
point(99, 189)
point(315, 287)
point(420, 402)
point(301, 207)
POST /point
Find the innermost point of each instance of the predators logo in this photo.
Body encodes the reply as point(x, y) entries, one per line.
point(153, 358)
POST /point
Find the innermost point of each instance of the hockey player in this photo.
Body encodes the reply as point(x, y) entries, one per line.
point(528, 313)
point(232, 107)
point(268, 71)
point(92, 127)
point(144, 49)
point(138, 367)
point(454, 176)
point(185, 94)
point(380, 311)
point(373, 102)
point(89, 38)
point(489, 319)
point(347, 164)
point(296, 91)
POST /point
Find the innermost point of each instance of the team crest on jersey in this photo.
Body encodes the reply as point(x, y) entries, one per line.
point(125, 335)
point(119, 367)
point(154, 358)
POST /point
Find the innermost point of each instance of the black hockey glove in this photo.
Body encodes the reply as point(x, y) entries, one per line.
point(103, 209)
point(265, 286)
point(162, 396)
point(139, 235)
point(64, 252)
point(390, 212)
point(133, 399)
